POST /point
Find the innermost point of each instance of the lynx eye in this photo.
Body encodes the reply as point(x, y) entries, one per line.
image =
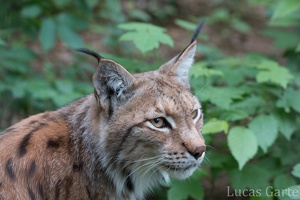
point(196, 115)
point(158, 122)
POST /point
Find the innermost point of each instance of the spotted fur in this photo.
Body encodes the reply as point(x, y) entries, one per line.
point(107, 145)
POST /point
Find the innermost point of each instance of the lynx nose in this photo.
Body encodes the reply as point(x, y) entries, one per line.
point(197, 153)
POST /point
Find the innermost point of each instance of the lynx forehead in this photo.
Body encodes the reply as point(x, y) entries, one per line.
point(133, 133)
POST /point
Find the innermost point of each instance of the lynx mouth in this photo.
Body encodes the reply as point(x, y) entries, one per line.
point(180, 168)
point(180, 171)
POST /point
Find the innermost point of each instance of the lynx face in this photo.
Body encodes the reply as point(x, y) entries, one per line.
point(164, 134)
point(132, 134)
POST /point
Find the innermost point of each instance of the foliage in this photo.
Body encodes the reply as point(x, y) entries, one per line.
point(145, 36)
point(259, 99)
point(242, 144)
point(182, 190)
point(296, 170)
point(251, 102)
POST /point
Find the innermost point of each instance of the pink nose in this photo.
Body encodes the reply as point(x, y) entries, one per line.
point(197, 153)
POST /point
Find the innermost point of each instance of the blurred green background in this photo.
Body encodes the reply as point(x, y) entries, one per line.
point(246, 74)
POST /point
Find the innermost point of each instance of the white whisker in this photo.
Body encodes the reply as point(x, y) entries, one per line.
point(201, 88)
point(152, 166)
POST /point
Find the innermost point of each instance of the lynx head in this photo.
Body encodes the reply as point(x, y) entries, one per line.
point(150, 122)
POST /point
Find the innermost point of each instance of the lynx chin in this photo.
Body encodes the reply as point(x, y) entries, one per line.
point(132, 134)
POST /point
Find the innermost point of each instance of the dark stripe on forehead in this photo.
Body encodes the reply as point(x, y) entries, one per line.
point(163, 83)
point(180, 101)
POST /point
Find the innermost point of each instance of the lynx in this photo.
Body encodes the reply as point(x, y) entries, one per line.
point(132, 134)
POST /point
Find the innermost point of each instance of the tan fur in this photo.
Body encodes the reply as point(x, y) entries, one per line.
point(104, 146)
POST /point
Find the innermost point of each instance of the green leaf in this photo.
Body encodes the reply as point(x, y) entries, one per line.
point(47, 33)
point(229, 62)
point(290, 99)
point(40, 89)
point(181, 190)
point(215, 126)
point(220, 15)
point(219, 160)
point(242, 144)
point(240, 25)
point(31, 11)
point(283, 181)
point(145, 36)
point(285, 8)
point(291, 20)
point(287, 125)
point(228, 94)
point(265, 129)
point(252, 176)
point(272, 72)
point(298, 47)
point(69, 37)
point(13, 66)
point(283, 38)
point(17, 54)
point(234, 115)
point(251, 104)
point(296, 170)
point(201, 69)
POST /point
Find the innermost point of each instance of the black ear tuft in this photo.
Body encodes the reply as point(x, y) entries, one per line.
point(90, 52)
point(197, 31)
point(179, 66)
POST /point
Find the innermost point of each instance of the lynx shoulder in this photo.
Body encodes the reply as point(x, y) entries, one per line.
point(133, 133)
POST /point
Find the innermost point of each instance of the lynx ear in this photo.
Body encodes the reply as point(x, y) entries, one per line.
point(180, 65)
point(111, 81)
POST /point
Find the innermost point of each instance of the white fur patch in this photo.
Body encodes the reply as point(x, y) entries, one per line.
point(171, 121)
point(183, 67)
